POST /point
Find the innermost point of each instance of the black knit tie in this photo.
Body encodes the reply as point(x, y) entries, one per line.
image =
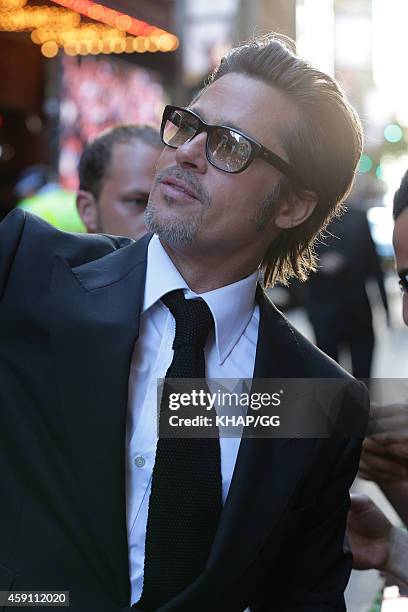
point(185, 501)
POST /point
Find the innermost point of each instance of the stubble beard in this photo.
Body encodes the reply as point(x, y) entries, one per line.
point(176, 231)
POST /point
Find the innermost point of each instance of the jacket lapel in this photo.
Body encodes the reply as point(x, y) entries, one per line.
point(94, 325)
point(267, 471)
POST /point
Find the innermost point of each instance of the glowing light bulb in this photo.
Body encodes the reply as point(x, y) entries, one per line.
point(35, 38)
point(123, 22)
point(95, 47)
point(152, 46)
point(83, 48)
point(129, 48)
point(110, 16)
point(96, 11)
point(118, 45)
point(49, 49)
point(175, 42)
point(141, 44)
point(106, 46)
point(70, 48)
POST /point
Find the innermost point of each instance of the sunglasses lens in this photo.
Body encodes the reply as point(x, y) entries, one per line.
point(179, 128)
point(228, 150)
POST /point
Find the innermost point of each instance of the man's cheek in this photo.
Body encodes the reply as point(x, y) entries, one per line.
point(166, 159)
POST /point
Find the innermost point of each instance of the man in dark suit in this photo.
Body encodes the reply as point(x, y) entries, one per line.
point(336, 296)
point(92, 502)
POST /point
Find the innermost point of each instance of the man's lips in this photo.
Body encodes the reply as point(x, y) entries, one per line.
point(176, 187)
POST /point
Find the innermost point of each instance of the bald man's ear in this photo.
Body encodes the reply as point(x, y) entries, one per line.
point(88, 211)
point(295, 209)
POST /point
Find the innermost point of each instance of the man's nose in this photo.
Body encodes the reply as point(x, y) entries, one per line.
point(192, 154)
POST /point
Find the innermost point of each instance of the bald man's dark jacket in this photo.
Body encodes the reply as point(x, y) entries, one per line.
point(69, 319)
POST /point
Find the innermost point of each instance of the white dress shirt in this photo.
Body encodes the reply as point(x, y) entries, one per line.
point(229, 353)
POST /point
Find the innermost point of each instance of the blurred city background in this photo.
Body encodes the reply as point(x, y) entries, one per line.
point(71, 68)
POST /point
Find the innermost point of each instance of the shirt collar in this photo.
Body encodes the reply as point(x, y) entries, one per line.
point(231, 306)
point(162, 275)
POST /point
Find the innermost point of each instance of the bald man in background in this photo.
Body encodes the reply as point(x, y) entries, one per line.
point(115, 177)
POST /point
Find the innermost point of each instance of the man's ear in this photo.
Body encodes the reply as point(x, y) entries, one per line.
point(88, 211)
point(296, 209)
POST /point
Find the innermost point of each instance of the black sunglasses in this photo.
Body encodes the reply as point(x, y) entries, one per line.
point(403, 281)
point(226, 148)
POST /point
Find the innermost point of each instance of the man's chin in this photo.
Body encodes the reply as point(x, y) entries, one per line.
point(176, 232)
point(175, 237)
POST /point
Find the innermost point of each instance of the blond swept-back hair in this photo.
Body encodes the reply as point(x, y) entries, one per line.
point(324, 146)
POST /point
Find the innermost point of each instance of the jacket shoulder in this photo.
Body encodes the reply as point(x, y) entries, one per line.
point(316, 364)
point(29, 245)
point(77, 249)
point(43, 241)
point(320, 365)
point(353, 417)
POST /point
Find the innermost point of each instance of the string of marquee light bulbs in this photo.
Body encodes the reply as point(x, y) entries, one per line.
point(61, 27)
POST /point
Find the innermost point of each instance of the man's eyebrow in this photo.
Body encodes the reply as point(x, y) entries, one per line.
point(227, 123)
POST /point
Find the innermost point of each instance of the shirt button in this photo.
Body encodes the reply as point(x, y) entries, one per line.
point(140, 462)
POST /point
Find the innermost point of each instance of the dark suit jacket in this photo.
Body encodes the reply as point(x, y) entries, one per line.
point(69, 315)
point(339, 301)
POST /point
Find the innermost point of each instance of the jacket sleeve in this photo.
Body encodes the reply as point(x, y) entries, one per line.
point(11, 231)
point(314, 570)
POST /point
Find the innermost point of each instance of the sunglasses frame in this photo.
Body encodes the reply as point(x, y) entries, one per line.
point(403, 281)
point(257, 150)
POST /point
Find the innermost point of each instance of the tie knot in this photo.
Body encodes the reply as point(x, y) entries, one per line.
point(193, 319)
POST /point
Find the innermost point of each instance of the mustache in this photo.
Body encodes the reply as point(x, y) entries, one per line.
point(187, 177)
